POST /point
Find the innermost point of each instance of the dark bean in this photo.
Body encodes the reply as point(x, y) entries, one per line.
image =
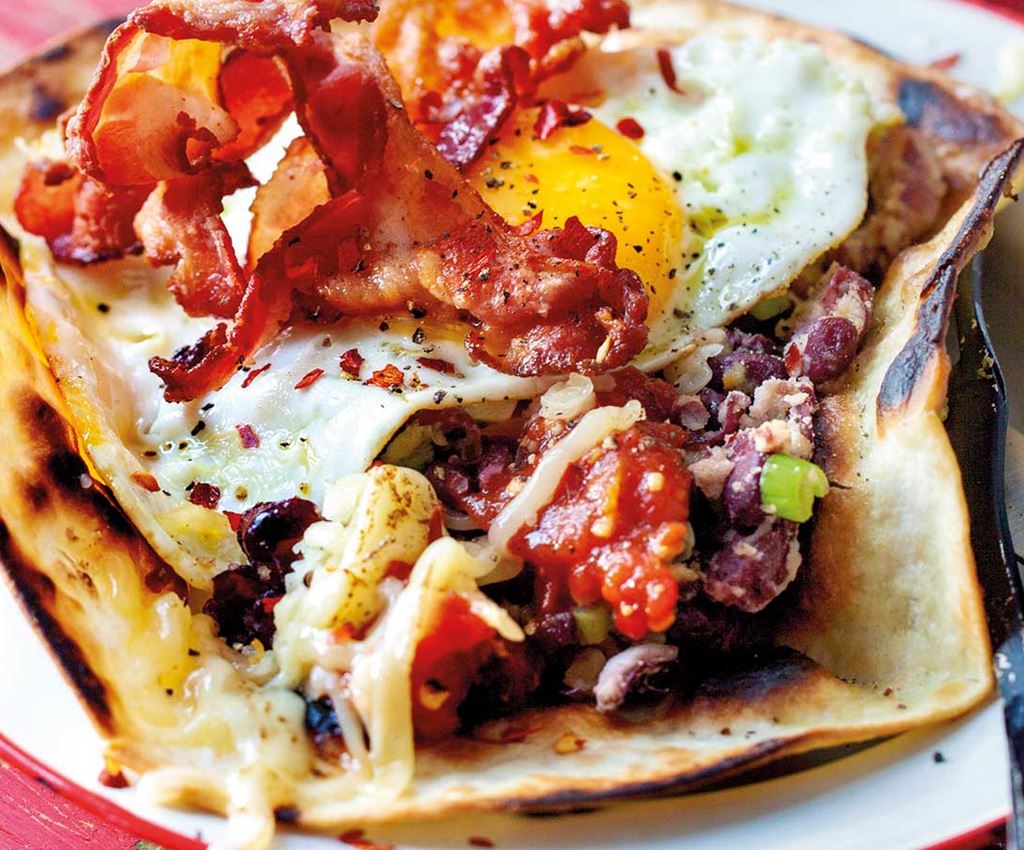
point(554, 631)
point(711, 399)
point(733, 406)
point(750, 570)
point(324, 728)
point(829, 348)
point(703, 626)
point(842, 282)
point(757, 343)
point(268, 531)
point(742, 493)
point(692, 415)
point(744, 370)
point(243, 602)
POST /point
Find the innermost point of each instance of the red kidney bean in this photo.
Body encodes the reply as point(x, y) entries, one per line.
point(268, 531)
point(744, 370)
point(742, 493)
point(750, 570)
point(758, 343)
point(243, 602)
point(829, 347)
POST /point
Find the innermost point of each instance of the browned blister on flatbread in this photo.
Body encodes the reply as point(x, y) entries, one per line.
point(885, 630)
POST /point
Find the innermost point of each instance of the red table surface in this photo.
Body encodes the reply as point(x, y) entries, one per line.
point(33, 815)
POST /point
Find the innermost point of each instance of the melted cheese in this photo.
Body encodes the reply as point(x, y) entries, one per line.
point(540, 487)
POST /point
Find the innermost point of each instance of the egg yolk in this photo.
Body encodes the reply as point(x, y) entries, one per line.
point(593, 172)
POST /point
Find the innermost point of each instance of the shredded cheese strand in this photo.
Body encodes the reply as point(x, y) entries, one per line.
point(545, 478)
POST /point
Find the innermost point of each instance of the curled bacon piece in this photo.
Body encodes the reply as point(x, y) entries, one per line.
point(501, 77)
point(267, 300)
point(258, 96)
point(267, 25)
point(567, 274)
point(160, 109)
point(180, 224)
point(461, 94)
point(340, 105)
point(152, 111)
point(80, 219)
point(296, 188)
point(541, 25)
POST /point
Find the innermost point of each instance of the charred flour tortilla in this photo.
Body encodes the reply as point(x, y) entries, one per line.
point(887, 631)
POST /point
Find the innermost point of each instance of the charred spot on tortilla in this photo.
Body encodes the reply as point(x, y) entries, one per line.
point(934, 110)
point(38, 593)
point(936, 300)
point(36, 494)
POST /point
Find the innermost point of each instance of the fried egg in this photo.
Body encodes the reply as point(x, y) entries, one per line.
point(748, 169)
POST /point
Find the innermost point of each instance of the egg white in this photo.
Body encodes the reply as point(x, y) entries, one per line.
point(764, 142)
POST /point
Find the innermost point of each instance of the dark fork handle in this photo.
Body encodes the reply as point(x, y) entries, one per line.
point(977, 425)
point(1009, 664)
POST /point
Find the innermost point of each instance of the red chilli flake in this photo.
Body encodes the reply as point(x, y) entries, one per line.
point(309, 379)
point(234, 519)
point(582, 151)
point(668, 72)
point(112, 780)
point(351, 362)
point(480, 841)
point(944, 63)
point(630, 128)
point(250, 439)
point(443, 366)
point(518, 734)
point(253, 375)
point(388, 378)
point(554, 114)
point(146, 481)
point(269, 603)
point(356, 838)
point(205, 495)
point(528, 227)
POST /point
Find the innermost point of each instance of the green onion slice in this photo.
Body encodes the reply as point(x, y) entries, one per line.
point(770, 307)
point(789, 486)
point(593, 624)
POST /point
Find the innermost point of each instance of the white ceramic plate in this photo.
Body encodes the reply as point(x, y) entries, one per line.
point(896, 795)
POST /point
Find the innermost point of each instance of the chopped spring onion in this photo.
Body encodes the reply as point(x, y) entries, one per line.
point(593, 624)
point(770, 307)
point(789, 486)
point(410, 447)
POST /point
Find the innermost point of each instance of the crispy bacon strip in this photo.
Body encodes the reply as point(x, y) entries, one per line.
point(500, 79)
point(266, 25)
point(460, 93)
point(341, 108)
point(159, 108)
point(180, 224)
point(152, 111)
point(258, 96)
point(540, 24)
point(296, 188)
point(80, 219)
point(329, 236)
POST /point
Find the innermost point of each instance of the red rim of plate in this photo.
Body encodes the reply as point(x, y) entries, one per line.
point(121, 818)
point(1012, 9)
point(109, 811)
